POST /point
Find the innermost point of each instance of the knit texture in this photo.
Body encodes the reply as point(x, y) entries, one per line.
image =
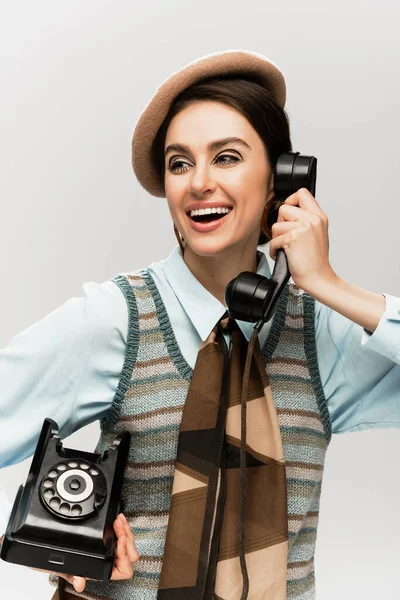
point(149, 401)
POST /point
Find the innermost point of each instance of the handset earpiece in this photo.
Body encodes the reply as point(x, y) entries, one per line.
point(251, 297)
point(292, 172)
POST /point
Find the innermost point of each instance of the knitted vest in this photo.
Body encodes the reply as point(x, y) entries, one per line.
point(149, 401)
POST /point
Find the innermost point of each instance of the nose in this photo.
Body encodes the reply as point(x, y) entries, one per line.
point(201, 181)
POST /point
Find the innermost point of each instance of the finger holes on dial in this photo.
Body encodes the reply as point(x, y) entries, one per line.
point(64, 508)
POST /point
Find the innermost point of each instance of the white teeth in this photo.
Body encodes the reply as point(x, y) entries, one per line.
point(209, 211)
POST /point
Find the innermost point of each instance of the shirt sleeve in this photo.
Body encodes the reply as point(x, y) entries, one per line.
point(67, 367)
point(360, 370)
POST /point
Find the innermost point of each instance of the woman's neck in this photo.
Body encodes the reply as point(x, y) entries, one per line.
point(215, 272)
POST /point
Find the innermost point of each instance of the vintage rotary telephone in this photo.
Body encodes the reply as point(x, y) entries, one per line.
point(62, 519)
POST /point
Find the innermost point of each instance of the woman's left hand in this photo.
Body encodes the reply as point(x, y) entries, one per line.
point(302, 231)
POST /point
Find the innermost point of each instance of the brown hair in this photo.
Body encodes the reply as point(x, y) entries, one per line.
point(250, 99)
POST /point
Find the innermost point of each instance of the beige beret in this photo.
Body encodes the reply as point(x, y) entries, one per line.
point(229, 62)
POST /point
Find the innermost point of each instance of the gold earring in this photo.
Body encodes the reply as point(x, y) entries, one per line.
point(179, 238)
point(271, 205)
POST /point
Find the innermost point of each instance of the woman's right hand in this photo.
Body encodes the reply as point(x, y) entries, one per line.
point(126, 555)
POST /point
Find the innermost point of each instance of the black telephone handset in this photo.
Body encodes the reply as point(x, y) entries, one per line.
point(251, 297)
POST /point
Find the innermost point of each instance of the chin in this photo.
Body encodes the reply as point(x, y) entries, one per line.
point(210, 247)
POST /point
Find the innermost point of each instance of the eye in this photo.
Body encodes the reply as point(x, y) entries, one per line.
point(174, 168)
point(231, 159)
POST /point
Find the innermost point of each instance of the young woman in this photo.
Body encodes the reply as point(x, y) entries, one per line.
point(208, 141)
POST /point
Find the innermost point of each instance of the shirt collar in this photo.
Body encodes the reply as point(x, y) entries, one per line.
point(202, 308)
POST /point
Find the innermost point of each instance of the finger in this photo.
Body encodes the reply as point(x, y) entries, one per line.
point(283, 241)
point(294, 213)
point(283, 227)
point(122, 527)
point(78, 583)
point(119, 527)
point(131, 546)
point(305, 200)
point(122, 565)
point(126, 553)
point(131, 550)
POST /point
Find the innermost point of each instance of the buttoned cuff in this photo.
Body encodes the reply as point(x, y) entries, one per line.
point(385, 340)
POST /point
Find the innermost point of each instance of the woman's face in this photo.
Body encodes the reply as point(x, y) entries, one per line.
point(235, 174)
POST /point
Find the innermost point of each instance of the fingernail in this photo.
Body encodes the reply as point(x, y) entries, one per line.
point(76, 581)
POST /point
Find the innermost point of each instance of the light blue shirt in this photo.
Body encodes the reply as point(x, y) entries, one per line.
point(67, 366)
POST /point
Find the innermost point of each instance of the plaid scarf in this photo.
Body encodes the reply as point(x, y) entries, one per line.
point(227, 536)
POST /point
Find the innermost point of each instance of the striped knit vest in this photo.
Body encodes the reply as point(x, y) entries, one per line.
point(149, 403)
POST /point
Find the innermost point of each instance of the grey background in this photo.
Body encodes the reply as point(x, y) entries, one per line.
point(75, 77)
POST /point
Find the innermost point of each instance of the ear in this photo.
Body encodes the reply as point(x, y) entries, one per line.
point(270, 196)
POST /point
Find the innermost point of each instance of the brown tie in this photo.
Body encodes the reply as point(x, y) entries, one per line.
point(227, 534)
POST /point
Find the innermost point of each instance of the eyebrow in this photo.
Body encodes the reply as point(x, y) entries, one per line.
point(214, 145)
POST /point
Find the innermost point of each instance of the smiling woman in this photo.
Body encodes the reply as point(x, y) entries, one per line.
point(230, 97)
point(213, 510)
